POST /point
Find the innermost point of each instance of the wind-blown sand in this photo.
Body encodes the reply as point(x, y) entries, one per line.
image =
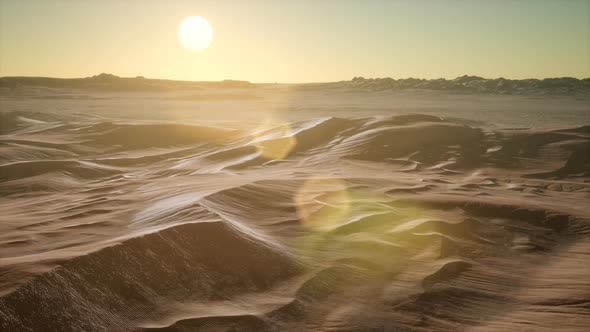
point(293, 210)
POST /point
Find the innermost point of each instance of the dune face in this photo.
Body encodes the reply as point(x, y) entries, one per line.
point(139, 220)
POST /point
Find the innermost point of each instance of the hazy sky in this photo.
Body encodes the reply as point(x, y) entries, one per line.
point(297, 41)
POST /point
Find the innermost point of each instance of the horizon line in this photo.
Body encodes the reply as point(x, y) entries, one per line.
point(307, 82)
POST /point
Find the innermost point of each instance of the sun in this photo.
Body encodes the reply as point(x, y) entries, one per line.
point(195, 33)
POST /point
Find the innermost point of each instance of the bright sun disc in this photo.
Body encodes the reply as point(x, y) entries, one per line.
point(195, 33)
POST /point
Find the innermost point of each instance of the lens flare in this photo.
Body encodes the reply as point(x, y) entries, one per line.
point(274, 140)
point(322, 202)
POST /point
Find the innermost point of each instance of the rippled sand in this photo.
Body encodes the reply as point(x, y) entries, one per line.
point(331, 223)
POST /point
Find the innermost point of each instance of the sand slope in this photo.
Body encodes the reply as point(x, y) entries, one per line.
point(390, 223)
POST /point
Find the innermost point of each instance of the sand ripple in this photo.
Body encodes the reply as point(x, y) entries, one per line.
point(403, 223)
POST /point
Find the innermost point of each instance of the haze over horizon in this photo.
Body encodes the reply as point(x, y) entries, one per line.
point(298, 42)
point(98, 75)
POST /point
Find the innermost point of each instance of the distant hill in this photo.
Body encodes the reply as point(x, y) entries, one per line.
point(116, 83)
point(464, 84)
point(470, 84)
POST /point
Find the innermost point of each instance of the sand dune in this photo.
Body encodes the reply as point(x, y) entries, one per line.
point(413, 222)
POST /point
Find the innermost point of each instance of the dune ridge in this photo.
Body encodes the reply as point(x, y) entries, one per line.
point(409, 222)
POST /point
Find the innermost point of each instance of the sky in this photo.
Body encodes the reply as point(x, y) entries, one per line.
point(299, 40)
